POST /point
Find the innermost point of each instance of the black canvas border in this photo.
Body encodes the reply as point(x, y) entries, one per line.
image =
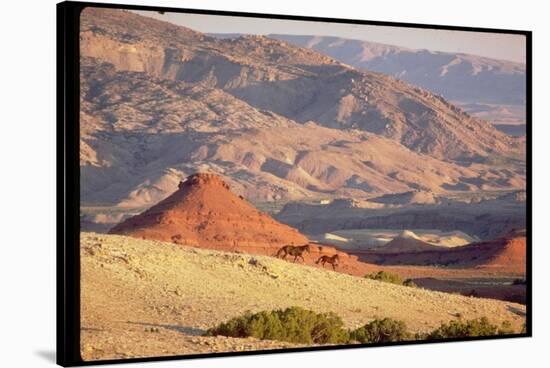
point(68, 180)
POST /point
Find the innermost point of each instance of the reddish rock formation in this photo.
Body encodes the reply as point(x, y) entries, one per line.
point(203, 212)
point(506, 253)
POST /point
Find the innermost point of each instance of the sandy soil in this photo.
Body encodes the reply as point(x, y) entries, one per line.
point(148, 298)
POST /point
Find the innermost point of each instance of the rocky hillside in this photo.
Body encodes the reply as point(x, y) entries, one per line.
point(456, 76)
point(157, 132)
point(149, 298)
point(298, 83)
point(160, 102)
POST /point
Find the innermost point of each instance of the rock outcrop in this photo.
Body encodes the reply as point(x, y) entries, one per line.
point(504, 254)
point(203, 212)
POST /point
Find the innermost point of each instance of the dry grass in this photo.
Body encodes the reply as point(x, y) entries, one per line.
point(148, 298)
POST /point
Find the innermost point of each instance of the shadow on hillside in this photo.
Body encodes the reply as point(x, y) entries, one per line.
point(181, 329)
point(517, 311)
point(91, 329)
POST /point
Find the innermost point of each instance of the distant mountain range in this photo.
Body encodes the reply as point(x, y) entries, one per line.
point(486, 88)
point(160, 102)
point(456, 76)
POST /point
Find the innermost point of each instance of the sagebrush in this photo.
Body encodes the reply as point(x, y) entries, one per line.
point(298, 325)
point(381, 330)
point(460, 328)
point(392, 278)
point(293, 324)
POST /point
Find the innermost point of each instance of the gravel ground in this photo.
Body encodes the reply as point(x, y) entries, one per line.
point(147, 298)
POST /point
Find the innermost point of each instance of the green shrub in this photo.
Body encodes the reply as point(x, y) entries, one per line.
point(409, 283)
point(381, 330)
point(298, 325)
point(385, 277)
point(392, 278)
point(506, 328)
point(292, 324)
point(460, 328)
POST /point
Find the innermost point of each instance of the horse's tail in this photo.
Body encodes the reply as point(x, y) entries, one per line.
point(318, 260)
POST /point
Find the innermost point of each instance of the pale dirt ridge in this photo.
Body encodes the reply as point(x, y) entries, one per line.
point(149, 298)
point(159, 102)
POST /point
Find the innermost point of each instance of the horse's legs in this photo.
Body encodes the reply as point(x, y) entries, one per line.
point(333, 267)
point(303, 260)
point(295, 257)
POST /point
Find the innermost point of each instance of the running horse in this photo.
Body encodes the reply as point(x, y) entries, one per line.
point(293, 250)
point(333, 260)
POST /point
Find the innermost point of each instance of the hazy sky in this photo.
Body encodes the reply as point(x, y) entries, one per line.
point(493, 45)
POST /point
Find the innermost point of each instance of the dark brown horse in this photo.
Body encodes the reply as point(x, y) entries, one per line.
point(296, 251)
point(333, 260)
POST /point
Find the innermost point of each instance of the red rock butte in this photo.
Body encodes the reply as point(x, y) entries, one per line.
point(506, 253)
point(203, 212)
